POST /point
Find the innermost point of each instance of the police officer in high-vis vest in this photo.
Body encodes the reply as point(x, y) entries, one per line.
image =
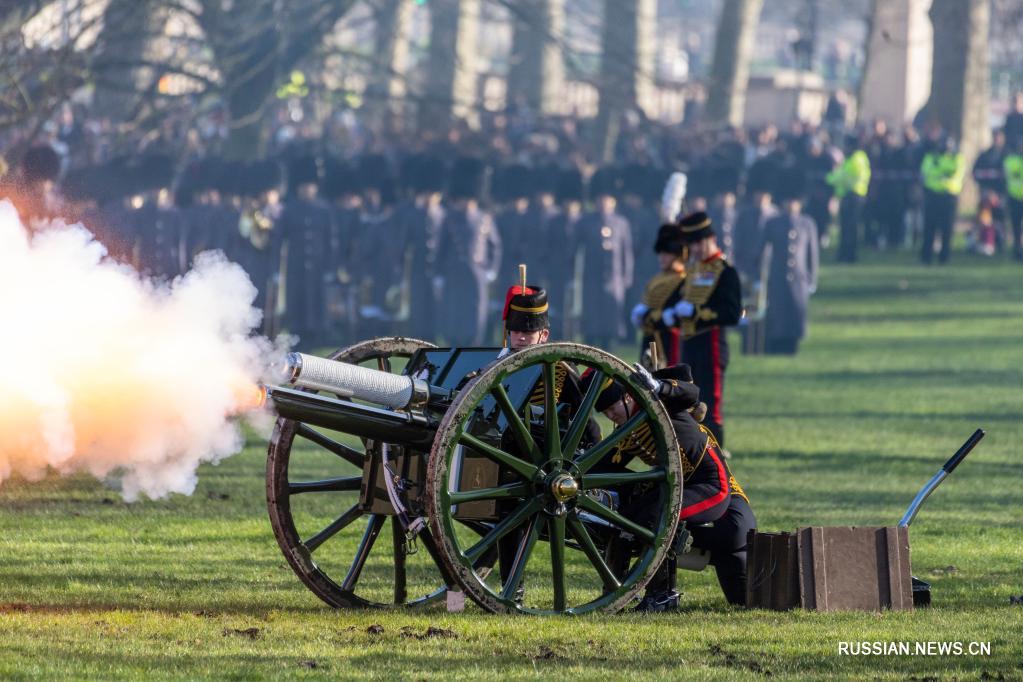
point(711, 301)
point(942, 171)
point(1013, 165)
point(850, 181)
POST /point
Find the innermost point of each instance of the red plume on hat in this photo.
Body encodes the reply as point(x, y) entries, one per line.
point(513, 291)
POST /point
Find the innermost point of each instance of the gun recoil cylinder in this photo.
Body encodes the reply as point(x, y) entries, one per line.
point(352, 381)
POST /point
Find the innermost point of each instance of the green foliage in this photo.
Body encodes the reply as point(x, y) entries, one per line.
point(901, 365)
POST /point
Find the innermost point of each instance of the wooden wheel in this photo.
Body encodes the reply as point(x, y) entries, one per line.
point(552, 486)
point(329, 532)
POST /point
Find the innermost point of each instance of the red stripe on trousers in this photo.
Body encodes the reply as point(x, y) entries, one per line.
point(675, 347)
point(715, 361)
point(716, 498)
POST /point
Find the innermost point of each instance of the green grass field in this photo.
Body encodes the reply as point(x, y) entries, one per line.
point(902, 363)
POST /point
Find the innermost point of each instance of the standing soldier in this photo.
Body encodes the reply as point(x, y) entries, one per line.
point(1014, 187)
point(641, 189)
point(711, 301)
point(606, 241)
point(791, 245)
point(341, 190)
point(516, 225)
point(469, 254)
point(564, 251)
point(39, 171)
point(306, 225)
point(423, 217)
point(943, 170)
point(209, 221)
point(382, 244)
point(663, 291)
point(156, 223)
point(851, 181)
point(819, 164)
point(257, 241)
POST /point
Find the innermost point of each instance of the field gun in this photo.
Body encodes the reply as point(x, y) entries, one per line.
point(481, 457)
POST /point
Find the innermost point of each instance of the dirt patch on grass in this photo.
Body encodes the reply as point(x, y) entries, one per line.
point(748, 661)
point(250, 633)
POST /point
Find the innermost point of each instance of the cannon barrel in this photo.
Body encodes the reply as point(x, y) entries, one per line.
point(365, 421)
point(352, 381)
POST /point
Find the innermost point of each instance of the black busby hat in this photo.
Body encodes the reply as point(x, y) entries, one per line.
point(611, 391)
point(760, 177)
point(154, 172)
point(339, 179)
point(544, 179)
point(634, 179)
point(512, 182)
point(525, 310)
point(669, 240)
point(468, 178)
point(606, 181)
point(695, 226)
point(431, 174)
point(40, 163)
point(303, 170)
point(82, 184)
point(790, 184)
point(375, 173)
point(260, 176)
point(570, 185)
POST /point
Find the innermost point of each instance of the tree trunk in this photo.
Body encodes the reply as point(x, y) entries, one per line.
point(960, 80)
point(385, 94)
point(733, 48)
point(127, 30)
point(451, 70)
point(626, 66)
point(537, 74)
point(255, 43)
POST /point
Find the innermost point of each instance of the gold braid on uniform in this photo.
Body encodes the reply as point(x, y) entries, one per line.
point(699, 293)
point(655, 296)
point(537, 396)
point(640, 443)
point(733, 485)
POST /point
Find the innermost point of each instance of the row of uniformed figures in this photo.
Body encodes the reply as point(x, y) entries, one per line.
point(344, 250)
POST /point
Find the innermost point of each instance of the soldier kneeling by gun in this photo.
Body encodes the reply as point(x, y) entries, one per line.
point(715, 512)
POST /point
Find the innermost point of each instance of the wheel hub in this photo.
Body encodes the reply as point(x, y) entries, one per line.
point(564, 487)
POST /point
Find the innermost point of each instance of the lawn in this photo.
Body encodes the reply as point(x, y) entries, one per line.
point(901, 365)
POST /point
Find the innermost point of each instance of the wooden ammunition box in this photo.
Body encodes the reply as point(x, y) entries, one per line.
point(830, 569)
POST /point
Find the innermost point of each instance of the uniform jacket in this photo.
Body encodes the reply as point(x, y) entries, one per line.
point(791, 247)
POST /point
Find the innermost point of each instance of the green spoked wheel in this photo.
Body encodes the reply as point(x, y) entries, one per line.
point(348, 549)
point(573, 530)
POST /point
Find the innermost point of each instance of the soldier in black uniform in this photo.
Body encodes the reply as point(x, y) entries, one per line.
point(469, 254)
point(305, 225)
point(422, 215)
point(710, 494)
point(159, 230)
point(607, 261)
point(661, 291)
point(562, 237)
point(711, 301)
point(256, 243)
point(210, 223)
point(791, 250)
point(382, 247)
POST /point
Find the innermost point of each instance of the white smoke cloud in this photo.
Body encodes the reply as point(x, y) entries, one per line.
point(105, 372)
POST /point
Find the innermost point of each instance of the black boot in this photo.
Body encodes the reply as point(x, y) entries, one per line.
point(660, 591)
